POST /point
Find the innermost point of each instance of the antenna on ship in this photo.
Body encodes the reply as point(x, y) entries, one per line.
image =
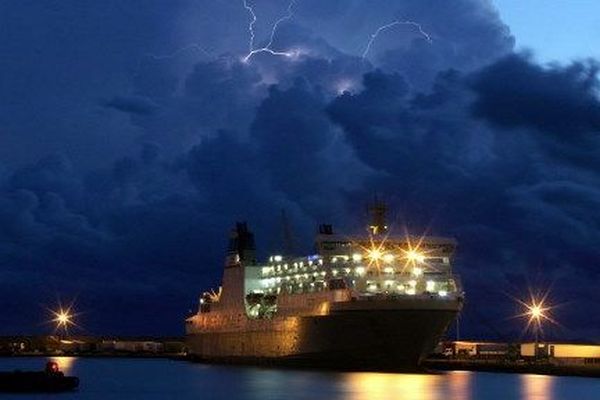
point(377, 211)
point(288, 239)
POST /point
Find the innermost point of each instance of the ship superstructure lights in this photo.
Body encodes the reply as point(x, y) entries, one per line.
point(443, 293)
point(430, 286)
point(417, 271)
point(375, 254)
point(414, 256)
point(360, 271)
point(388, 270)
point(277, 258)
point(356, 257)
point(388, 258)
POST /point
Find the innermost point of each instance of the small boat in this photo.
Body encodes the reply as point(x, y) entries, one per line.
point(49, 380)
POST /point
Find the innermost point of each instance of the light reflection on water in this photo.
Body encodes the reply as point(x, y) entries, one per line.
point(65, 364)
point(537, 387)
point(459, 383)
point(374, 386)
point(149, 379)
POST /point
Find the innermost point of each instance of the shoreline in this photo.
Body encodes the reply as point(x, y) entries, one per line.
point(428, 366)
point(512, 368)
point(173, 356)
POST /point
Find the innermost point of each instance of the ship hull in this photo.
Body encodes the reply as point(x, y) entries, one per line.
point(363, 339)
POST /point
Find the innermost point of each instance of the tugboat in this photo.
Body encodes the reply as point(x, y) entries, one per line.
point(49, 380)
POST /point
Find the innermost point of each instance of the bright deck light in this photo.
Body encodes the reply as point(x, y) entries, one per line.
point(414, 255)
point(375, 254)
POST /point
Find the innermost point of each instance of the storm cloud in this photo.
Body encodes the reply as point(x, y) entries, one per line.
point(462, 136)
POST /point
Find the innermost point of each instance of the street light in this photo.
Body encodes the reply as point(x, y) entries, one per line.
point(63, 319)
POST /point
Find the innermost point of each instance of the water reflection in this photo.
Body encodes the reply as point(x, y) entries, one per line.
point(537, 387)
point(459, 385)
point(373, 386)
point(65, 364)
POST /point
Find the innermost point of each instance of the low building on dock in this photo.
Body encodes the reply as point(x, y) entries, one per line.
point(563, 353)
point(474, 349)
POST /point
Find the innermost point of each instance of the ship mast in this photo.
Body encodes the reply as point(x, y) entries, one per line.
point(377, 211)
point(288, 239)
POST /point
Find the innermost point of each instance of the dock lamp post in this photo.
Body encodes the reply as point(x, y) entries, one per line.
point(537, 313)
point(63, 319)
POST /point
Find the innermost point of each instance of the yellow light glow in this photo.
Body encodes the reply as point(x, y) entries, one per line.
point(417, 271)
point(414, 255)
point(356, 257)
point(537, 311)
point(63, 318)
point(375, 254)
point(388, 258)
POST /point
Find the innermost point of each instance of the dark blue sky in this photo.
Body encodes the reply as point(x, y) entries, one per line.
point(133, 134)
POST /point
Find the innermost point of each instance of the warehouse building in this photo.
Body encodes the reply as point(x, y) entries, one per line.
point(563, 353)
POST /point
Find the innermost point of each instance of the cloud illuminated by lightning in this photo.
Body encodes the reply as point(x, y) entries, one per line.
point(160, 57)
point(267, 48)
point(191, 46)
point(392, 24)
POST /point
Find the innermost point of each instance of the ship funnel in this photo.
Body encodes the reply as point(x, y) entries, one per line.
point(377, 211)
point(326, 229)
point(241, 243)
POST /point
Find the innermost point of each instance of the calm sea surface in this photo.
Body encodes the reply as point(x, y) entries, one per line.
point(105, 378)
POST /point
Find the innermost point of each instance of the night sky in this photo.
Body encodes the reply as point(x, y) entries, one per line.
point(133, 135)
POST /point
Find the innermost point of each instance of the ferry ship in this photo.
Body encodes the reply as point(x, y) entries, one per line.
point(372, 301)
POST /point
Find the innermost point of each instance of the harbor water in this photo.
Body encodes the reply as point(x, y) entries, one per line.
point(125, 378)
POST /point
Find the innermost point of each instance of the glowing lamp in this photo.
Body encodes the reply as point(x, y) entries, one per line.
point(63, 318)
point(375, 254)
point(414, 255)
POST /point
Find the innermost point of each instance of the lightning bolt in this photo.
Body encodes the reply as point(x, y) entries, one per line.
point(391, 25)
point(250, 10)
point(267, 48)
